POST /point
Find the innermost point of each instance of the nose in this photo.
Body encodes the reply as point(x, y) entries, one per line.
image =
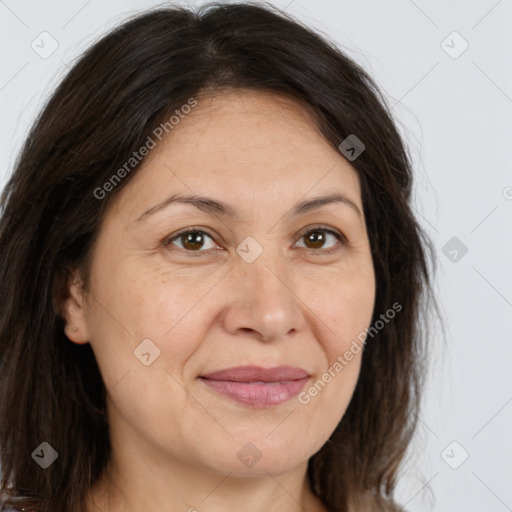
point(262, 302)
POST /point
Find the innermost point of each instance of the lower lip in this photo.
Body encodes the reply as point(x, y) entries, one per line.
point(258, 394)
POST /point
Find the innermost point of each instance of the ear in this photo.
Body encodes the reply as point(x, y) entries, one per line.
point(69, 303)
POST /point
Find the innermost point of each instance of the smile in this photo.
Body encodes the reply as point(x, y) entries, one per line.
point(258, 387)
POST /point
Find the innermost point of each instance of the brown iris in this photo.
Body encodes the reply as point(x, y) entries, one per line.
point(317, 238)
point(192, 240)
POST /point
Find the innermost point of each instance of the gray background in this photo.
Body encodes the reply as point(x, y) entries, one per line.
point(455, 109)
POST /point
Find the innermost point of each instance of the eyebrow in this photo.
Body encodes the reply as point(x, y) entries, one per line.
point(217, 207)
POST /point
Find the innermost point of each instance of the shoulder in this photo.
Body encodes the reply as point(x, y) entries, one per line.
point(20, 509)
point(9, 509)
point(19, 504)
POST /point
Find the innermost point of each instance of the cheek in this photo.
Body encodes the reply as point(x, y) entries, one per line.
point(345, 305)
point(134, 305)
point(122, 317)
point(351, 312)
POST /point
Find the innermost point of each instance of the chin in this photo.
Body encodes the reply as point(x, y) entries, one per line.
point(260, 456)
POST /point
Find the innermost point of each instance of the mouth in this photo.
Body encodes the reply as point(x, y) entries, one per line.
point(257, 387)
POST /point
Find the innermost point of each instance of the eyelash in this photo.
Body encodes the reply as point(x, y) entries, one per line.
point(339, 236)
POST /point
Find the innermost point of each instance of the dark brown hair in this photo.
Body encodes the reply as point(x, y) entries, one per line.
point(112, 99)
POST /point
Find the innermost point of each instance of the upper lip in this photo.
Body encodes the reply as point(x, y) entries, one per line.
point(258, 374)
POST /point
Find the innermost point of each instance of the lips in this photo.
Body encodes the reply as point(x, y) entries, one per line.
point(258, 374)
point(257, 387)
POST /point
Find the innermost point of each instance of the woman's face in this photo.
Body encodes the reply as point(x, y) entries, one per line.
point(248, 287)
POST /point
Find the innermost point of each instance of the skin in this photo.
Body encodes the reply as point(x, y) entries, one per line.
point(175, 440)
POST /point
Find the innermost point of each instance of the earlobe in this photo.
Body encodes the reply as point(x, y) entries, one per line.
point(74, 334)
point(70, 304)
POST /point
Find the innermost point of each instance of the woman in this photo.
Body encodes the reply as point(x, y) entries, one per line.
point(211, 277)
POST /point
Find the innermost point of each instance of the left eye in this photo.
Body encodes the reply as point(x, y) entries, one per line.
point(194, 240)
point(318, 236)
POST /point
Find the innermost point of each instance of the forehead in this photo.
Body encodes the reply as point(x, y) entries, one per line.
point(243, 145)
point(250, 124)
